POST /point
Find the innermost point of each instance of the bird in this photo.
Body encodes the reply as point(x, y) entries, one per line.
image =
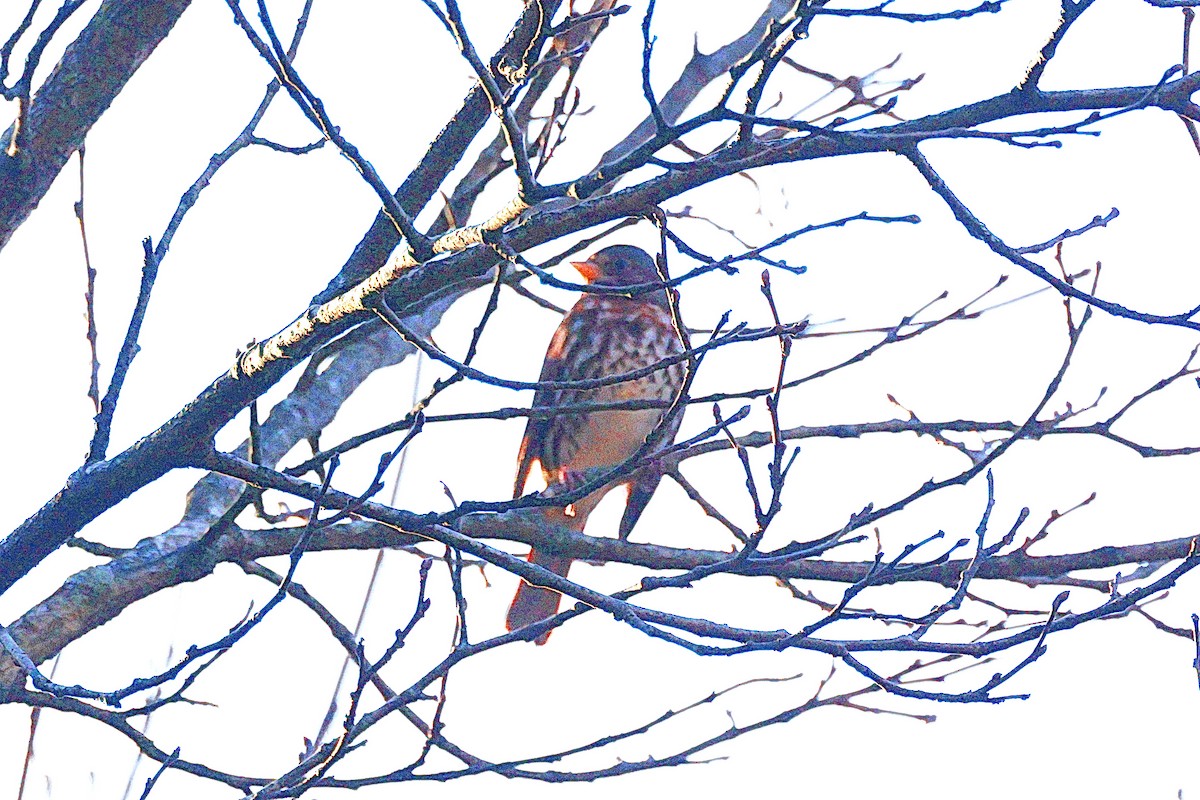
point(601, 335)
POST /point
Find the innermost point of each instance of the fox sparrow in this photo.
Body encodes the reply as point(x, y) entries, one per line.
point(601, 335)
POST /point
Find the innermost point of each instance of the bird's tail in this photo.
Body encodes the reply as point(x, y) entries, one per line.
point(536, 603)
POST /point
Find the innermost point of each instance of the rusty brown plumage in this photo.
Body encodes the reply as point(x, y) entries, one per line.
point(601, 335)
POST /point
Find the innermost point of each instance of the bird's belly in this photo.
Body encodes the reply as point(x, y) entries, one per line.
point(610, 437)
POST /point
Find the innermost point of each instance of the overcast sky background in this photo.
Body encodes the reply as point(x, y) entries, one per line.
point(1113, 706)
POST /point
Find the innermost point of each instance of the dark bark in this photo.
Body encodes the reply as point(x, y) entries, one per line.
point(93, 71)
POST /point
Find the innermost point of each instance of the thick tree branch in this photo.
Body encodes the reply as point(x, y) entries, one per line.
point(93, 70)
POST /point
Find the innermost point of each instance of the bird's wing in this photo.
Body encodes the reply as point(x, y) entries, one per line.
point(646, 479)
point(536, 428)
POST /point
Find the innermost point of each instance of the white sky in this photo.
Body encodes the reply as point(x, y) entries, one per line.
point(1114, 705)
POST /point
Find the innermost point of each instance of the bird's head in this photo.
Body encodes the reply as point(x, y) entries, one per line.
point(618, 265)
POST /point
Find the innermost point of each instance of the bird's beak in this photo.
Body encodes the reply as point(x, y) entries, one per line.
point(587, 269)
